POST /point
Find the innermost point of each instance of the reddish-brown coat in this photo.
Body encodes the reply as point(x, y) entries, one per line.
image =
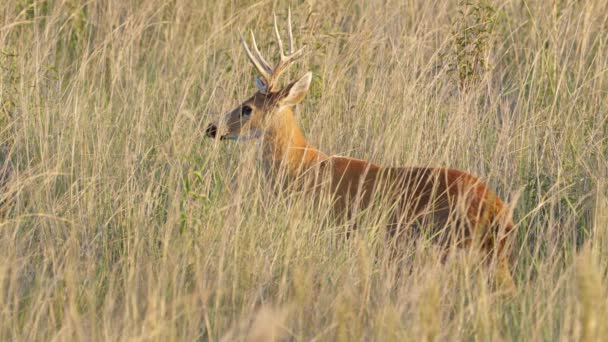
point(416, 192)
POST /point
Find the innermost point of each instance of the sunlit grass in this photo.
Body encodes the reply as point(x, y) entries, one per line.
point(119, 220)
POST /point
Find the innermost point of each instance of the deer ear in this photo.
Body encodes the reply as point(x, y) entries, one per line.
point(262, 87)
point(297, 90)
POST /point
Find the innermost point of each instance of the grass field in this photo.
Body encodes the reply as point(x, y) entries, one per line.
point(120, 221)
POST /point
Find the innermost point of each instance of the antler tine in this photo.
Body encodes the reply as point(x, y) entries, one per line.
point(270, 75)
point(276, 32)
point(259, 55)
point(264, 70)
point(291, 56)
point(291, 41)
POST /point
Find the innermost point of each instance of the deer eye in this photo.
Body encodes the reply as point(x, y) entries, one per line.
point(246, 111)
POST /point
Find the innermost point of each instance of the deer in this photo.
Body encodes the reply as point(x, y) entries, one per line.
point(457, 207)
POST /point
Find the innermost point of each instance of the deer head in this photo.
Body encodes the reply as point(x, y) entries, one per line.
point(254, 117)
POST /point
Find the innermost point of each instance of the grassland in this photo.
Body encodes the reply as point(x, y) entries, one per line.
point(119, 221)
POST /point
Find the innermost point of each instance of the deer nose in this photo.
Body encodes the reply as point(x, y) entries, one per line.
point(211, 131)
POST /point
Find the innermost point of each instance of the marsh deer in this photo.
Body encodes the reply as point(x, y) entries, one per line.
point(455, 206)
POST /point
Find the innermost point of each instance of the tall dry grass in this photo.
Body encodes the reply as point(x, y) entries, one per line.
point(118, 220)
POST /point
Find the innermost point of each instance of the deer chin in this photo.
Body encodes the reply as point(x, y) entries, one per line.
point(244, 137)
point(251, 135)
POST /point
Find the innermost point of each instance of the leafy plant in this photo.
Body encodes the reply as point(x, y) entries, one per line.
point(472, 31)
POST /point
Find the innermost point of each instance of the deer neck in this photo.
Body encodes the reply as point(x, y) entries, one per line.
point(285, 146)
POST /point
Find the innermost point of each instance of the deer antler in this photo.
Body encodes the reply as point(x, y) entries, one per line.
point(271, 75)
